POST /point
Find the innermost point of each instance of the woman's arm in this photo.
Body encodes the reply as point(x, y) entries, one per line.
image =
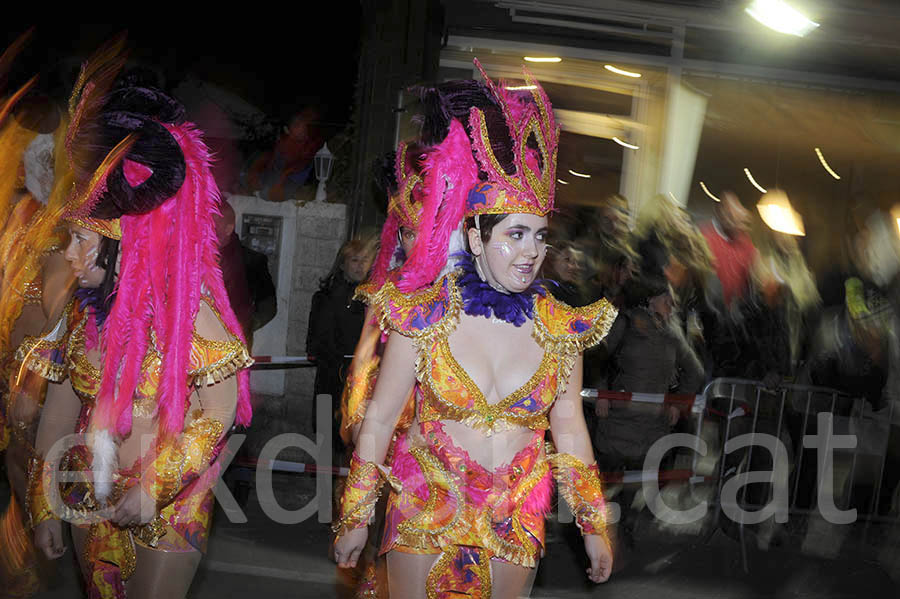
point(361, 379)
point(578, 483)
point(173, 464)
point(567, 426)
point(58, 419)
point(395, 378)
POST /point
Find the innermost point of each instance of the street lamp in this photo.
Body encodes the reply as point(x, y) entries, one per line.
point(324, 159)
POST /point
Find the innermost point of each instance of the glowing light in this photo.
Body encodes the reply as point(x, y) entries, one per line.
point(542, 59)
point(561, 182)
point(582, 175)
point(825, 164)
point(708, 192)
point(626, 144)
point(781, 16)
point(898, 226)
point(619, 71)
point(753, 181)
point(516, 88)
point(776, 211)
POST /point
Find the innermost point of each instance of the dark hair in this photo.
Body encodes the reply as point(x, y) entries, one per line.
point(107, 256)
point(486, 222)
point(639, 292)
point(444, 102)
point(140, 110)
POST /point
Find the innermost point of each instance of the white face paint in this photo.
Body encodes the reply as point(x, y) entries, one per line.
point(81, 253)
point(503, 249)
point(512, 258)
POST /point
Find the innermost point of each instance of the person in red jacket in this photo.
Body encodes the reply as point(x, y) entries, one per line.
point(732, 249)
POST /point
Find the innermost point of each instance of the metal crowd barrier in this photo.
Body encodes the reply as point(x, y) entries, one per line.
point(789, 413)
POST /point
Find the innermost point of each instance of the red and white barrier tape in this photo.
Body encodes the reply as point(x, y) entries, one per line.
point(696, 403)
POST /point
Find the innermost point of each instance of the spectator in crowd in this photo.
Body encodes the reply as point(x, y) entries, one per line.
point(565, 268)
point(849, 351)
point(732, 250)
point(247, 279)
point(670, 245)
point(645, 353)
point(335, 322)
point(749, 339)
point(690, 272)
point(788, 289)
point(285, 168)
point(609, 257)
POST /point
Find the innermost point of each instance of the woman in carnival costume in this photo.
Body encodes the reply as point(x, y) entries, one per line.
point(496, 359)
point(398, 237)
point(142, 359)
point(399, 176)
point(35, 284)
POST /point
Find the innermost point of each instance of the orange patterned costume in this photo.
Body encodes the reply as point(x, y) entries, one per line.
point(443, 499)
point(486, 149)
point(183, 520)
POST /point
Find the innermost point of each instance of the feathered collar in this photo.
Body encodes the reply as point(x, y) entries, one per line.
point(480, 299)
point(93, 298)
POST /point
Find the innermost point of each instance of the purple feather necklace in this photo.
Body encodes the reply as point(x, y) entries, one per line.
point(480, 299)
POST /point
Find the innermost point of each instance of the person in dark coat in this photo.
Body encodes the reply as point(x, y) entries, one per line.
point(335, 322)
point(246, 275)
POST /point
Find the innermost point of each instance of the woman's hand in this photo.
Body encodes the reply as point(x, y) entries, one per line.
point(135, 508)
point(672, 413)
point(48, 538)
point(348, 547)
point(599, 553)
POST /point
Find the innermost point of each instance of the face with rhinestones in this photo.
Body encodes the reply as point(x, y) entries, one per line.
point(81, 253)
point(510, 259)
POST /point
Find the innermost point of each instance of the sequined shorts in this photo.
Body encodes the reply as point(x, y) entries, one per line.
point(449, 499)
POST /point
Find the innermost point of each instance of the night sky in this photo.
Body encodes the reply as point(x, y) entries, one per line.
point(279, 65)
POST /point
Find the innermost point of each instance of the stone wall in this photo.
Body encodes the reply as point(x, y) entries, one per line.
point(321, 231)
point(311, 237)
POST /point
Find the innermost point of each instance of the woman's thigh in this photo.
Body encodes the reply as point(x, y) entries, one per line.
point(510, 581)
point(408, 573)
point(162, 573)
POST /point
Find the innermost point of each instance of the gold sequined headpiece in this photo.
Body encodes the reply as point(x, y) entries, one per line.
point(107, 228)
point(405, 204)
point(534, 135)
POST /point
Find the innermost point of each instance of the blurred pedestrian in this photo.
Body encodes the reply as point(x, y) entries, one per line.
point(731, 247)
point(565, 268)
point(247, 279)
point(646, 353)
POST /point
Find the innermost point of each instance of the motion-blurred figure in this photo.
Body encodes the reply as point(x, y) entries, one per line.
point(565, 268)
point(731, 247)
point(35, 285)
point(646, 353)
point(286, 167)
point(247, 278)
point(788, 289)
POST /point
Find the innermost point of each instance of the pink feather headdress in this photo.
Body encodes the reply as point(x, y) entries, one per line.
point(495, 153)
point(169, 260)
point(534, 137)
point(404, 209)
